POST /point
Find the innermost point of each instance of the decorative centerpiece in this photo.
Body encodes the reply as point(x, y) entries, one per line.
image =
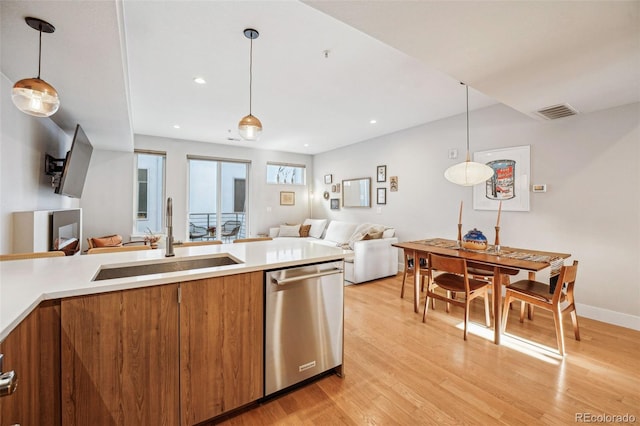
point(474, 240)
point(152, 239)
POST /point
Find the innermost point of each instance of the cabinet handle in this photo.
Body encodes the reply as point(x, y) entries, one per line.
point(8, 381)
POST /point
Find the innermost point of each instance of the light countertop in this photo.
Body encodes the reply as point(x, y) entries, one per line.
point(26, 283)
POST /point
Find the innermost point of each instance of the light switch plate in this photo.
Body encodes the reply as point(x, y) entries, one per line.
point(453, 154)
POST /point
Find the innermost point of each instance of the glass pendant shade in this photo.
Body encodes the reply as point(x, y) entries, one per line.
point(468, 173)
point(35, 97)
point(250, 128)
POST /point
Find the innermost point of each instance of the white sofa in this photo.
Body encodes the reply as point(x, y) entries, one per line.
point(372, 256)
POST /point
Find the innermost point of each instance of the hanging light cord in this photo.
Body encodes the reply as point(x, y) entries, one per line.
point(468, 154)
point(39, 51)
point(467, 88)
point(250, 72)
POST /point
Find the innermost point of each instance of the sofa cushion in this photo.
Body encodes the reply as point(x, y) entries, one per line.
point(304, 230)
point(389, 233)
point(340, 232)
point(289, 231)
point(273, 232)
point(317, 227)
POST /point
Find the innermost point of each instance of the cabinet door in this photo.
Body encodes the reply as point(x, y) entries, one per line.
point(32, 350)
point(120, 358)
point(221, 345)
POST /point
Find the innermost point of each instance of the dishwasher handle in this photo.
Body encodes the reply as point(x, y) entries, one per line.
point(306, 277)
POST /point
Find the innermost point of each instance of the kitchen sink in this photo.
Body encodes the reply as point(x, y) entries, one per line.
point(111, 272)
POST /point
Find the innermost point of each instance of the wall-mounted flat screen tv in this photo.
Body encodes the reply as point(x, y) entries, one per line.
point(76, 164)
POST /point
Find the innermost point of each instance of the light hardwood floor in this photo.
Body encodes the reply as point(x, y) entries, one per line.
point(400, 371)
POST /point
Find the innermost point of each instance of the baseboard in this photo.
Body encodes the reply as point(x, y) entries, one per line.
point(608, 316)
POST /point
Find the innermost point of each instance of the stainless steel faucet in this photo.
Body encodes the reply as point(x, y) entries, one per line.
point(169, 251)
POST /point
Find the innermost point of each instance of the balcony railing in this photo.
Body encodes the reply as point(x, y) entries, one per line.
point(204, 226)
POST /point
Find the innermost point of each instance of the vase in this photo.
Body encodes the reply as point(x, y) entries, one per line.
point(474, 240)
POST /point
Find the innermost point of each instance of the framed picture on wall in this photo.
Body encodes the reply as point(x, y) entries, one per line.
point(381, 196)
point(510, 182)
point(381, 174)
point(335, 204)
point(287, 198)
point(393, 183)
point(328, 179)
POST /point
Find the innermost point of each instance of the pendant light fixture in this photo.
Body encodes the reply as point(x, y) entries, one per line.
point(32, 95)
point(468, 173)
point(250, 127)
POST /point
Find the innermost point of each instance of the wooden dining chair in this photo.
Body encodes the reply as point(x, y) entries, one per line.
point(408, 269)
point(480, 271)
point(454, 278)
point(21, 256)
point(199, 243)
point(537, 294)
point(251, 240)
point(101, 250)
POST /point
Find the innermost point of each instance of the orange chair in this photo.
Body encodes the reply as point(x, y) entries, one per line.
point(537, 294)
point(36, 255)
point(100, 250)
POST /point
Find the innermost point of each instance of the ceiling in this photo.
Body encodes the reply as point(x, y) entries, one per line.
point(322, 70)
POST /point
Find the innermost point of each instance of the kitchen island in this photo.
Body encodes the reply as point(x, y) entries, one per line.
point(168, 348)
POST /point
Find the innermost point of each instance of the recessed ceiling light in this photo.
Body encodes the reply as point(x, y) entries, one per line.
point(373, 121)
point(176, 126)
point(306, 145)
point(199, 80)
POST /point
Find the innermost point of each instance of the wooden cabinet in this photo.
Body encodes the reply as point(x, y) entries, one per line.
point(120, 358)
point(32, 350)
point(138, 357)
point(221, 345)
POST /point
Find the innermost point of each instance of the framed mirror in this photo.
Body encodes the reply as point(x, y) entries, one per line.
point(356, 192)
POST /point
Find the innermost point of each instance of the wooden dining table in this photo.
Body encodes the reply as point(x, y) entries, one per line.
point(531, 261)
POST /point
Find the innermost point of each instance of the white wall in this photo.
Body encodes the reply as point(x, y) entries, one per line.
point(23, 185)
point(107, 200)
point(589, 162)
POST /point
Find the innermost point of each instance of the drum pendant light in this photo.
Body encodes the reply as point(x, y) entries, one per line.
point(250, 127)
point(32, 95)
point(468, 173)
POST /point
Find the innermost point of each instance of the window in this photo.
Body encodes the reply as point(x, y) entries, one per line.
point(149, 192)
point(286, 174)
point(217, 199)
point(142, 193)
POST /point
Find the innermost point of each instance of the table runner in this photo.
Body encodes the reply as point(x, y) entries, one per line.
point(555, 262)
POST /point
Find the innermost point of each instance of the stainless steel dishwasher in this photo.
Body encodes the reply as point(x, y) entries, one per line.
point(304, 310)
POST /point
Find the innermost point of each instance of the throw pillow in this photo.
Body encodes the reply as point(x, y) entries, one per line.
point(108, 241)
point(389, 233)
point(339, 231)
point(371, 235)
point(273, 232)
point(304, 230)
point(289, 231)
point(317, 227)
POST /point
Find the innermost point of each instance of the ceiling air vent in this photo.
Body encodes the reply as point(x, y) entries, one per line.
point(557, 111)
